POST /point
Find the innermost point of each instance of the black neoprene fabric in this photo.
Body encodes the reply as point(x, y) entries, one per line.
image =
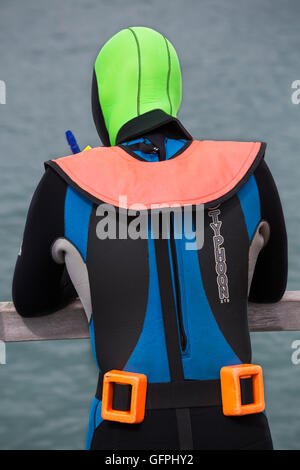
point(119, 279)
point(97, 113)
point(40, 285)
point(210, 428)
point(271, 269)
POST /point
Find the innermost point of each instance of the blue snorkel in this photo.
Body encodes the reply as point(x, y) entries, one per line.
point(72, 142)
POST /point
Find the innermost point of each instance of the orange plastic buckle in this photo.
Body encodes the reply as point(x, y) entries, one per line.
point(138, 384)
point(231, 389)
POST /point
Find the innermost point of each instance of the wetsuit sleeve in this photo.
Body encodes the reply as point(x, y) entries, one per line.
point(270, 275)
point(41, 286)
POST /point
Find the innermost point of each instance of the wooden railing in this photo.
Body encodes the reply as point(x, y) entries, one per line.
point(71, 322)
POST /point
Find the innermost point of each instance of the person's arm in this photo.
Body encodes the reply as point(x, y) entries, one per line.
point(270, 274)
point(41, 286)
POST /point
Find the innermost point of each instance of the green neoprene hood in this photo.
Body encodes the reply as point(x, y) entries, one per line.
point(136, 71)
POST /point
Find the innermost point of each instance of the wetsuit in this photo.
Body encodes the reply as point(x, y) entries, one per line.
point(155, 306)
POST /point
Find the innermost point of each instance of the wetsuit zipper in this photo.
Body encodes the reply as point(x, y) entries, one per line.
point(183, 337)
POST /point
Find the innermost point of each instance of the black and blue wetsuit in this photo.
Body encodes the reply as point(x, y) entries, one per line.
point(127, 287)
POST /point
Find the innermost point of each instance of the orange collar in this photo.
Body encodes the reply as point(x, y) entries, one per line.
point(206, 172)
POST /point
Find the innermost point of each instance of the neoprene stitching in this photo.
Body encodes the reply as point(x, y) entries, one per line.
point(169, 75)
point(139, 64)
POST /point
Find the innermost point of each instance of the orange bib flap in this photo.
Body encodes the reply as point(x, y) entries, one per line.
point(206, 172)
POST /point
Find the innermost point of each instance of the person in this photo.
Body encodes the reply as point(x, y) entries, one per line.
point(161, 309)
